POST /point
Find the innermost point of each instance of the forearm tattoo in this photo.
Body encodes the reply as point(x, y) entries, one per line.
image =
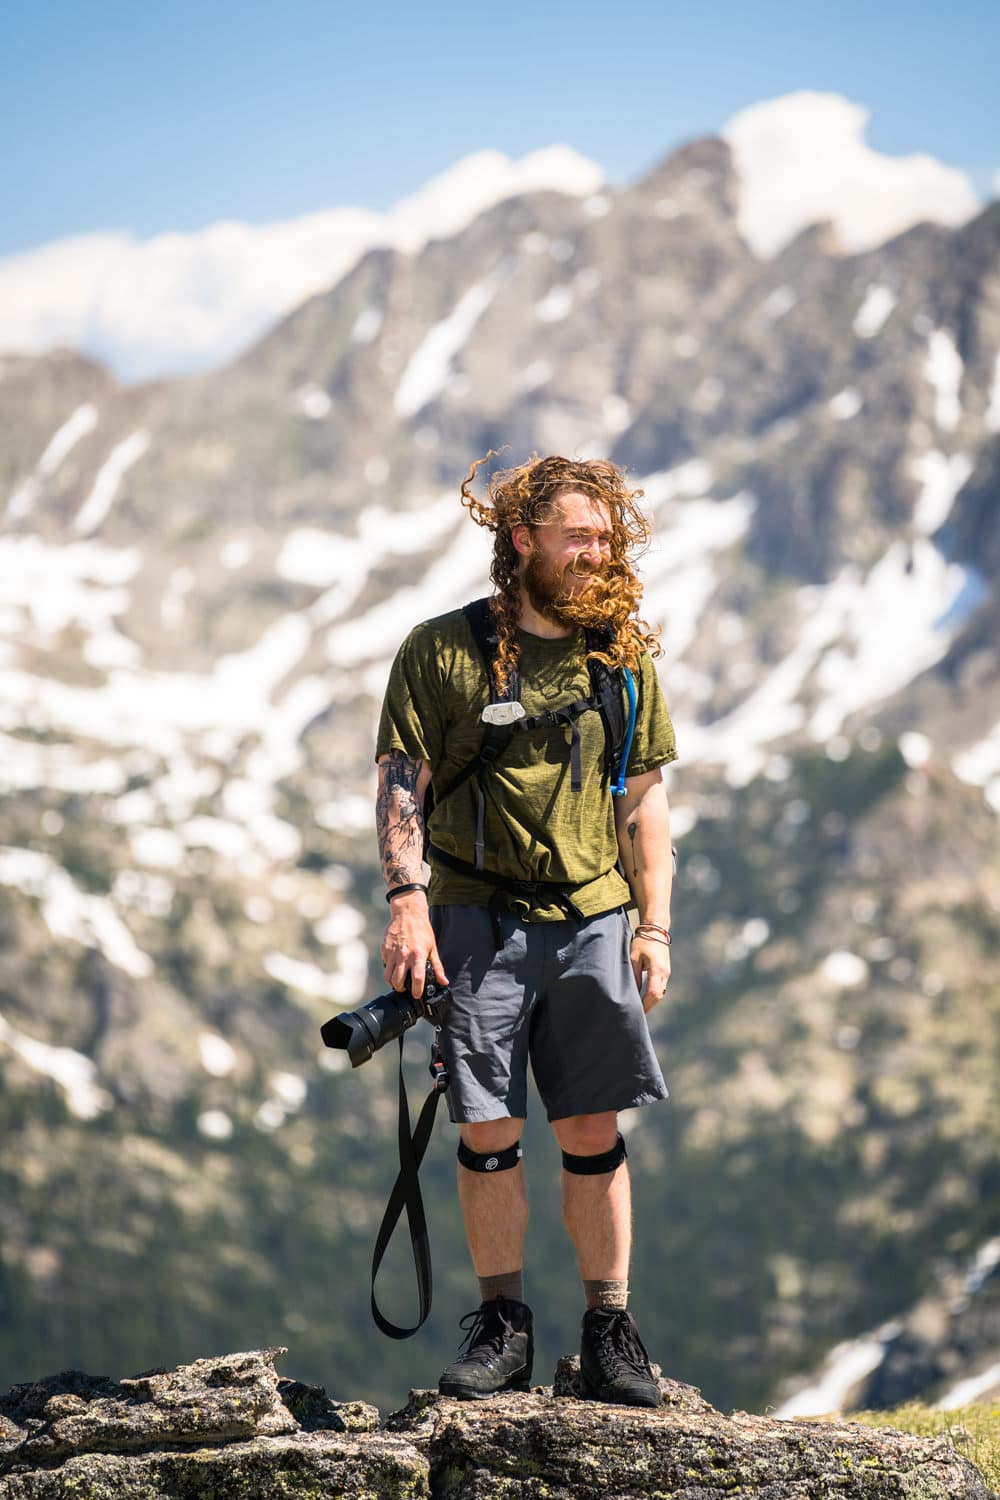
point(399, 819)
point(632, 830)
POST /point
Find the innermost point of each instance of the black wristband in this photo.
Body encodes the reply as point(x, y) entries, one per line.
point(401, 890)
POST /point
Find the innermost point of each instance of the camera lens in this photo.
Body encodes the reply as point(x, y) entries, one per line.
point(360, 1033)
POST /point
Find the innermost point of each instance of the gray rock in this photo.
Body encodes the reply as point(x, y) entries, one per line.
point(556, 1447)
point(230, 1429)
point(303, 1466)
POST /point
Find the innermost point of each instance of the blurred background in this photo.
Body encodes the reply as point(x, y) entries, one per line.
point(268, 283)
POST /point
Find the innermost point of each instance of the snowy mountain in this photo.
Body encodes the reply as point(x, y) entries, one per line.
point(202, 583)
point(184, 302)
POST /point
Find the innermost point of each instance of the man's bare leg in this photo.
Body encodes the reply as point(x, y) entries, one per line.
point(597, 1210)
point(499, 1348)
point(494, 1204)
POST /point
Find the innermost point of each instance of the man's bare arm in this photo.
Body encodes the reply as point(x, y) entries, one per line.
point(642, 822)
point(399, 819)
point(399, 816)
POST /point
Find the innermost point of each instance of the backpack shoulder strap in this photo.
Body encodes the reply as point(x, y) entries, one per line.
point(496, 737)
point(482, 622)
point(609, 692)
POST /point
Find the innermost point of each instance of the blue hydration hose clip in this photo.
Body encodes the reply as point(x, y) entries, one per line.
point(618, 790)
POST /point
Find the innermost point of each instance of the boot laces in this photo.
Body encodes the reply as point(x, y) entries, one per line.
point(621, 1350)
point(488, 1332)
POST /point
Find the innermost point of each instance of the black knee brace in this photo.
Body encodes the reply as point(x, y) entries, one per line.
point(590, 1166)
point(489, 1161)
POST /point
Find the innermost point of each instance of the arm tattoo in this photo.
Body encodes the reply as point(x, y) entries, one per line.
point(632, 830)
point(399, 819)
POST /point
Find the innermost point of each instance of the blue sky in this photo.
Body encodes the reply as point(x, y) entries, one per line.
point(148, 118)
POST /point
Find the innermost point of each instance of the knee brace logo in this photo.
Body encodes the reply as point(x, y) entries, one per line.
point(494, 1161)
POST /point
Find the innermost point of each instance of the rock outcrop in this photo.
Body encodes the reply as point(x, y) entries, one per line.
point(231, 1428)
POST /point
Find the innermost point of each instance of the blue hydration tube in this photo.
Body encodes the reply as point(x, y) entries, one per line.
point(619, 789)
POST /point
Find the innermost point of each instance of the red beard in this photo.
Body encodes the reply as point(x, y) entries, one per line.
point(545, 586)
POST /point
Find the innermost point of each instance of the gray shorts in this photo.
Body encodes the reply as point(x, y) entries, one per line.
point(560, 993)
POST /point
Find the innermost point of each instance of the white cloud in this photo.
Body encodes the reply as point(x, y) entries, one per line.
point(181, 302)
point(802, 158)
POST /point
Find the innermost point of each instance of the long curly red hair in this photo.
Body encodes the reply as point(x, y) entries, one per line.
point(526, 495)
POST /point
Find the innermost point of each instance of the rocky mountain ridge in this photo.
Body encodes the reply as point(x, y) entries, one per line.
point(202, 583)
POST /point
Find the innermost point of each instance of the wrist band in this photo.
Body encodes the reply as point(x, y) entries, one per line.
point(402, 890)
point(653, 930)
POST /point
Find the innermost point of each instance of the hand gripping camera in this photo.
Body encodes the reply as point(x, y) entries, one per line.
point(360, 1033)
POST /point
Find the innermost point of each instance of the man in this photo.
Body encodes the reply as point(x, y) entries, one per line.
point(525, 911)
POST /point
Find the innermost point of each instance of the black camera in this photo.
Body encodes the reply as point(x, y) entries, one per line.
point(360, 1033)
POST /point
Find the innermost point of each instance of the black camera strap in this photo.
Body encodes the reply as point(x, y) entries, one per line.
point(406, 1194)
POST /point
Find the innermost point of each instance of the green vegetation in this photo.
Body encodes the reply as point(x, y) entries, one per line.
point(973, 1430)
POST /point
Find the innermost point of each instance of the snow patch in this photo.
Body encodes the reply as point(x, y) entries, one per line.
point(940, 478)
point(313, 402)
point(338, 987)
point(905, 596)
point(845, 970)
point(846, 404)
point(28, 764)
point(75, 1074)
point(429, 368)
point(915, 748)
point(236, 553)
point(215, 1125)
point(367, 325)
point(597, 207)
point(533, 376)
point(58, 586)
point(979, 763)
point(993, 409)
point(943, 369)
point(972, 1388)
point(847, 650)
point(71, 913)
point(779, 302)
point(616, 414)
point(555, 305)
point(679, 569)
point(871, 316)
point(77, 425)
point(173, 603)
point(109, 477)
point(845, 1366)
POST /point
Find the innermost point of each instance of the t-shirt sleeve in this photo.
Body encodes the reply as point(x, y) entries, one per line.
point(412, 718)
point(653, 743)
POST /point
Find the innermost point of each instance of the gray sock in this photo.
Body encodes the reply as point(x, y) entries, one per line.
point(509, 1284)
point(606, 1294)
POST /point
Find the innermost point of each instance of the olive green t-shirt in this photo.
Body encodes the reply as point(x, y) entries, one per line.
point(537, 828)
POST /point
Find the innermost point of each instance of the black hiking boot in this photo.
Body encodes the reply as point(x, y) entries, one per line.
point(614, 1365)
point(497, 1354)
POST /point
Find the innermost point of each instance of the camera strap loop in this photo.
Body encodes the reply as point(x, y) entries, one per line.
point(406, 1194)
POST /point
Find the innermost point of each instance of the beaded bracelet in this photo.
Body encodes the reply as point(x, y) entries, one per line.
point(402, 890)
